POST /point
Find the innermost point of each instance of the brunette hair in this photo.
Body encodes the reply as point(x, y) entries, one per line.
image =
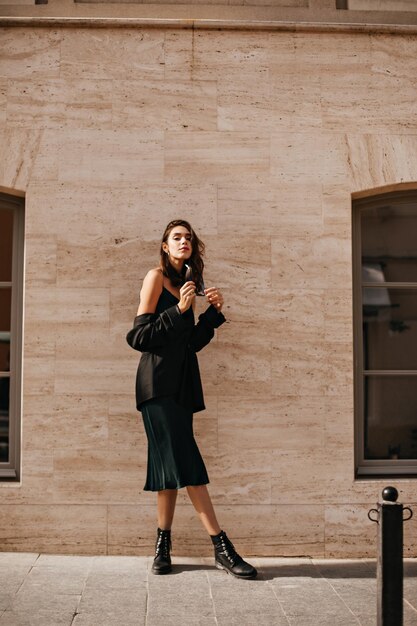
point(195, 261)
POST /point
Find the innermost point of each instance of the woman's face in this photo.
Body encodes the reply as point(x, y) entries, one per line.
point(178, 243)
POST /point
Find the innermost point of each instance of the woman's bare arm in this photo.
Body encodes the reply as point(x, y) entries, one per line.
point(150, 292)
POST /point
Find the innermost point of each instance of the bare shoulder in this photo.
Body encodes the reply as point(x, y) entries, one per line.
point(151, 290)
point(154, 277)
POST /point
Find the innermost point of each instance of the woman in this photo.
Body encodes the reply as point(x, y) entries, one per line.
point(168, 389)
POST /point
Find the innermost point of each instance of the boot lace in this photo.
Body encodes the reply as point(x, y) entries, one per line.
point(228, 550)
point(163, 545)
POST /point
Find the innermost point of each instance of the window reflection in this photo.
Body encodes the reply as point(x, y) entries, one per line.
point(390, 329)
point(5, 309)
point(390, 417)
point(6, 243)
point(4, 419)
point(389, 235)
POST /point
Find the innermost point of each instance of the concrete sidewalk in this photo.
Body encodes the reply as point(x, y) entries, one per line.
point(49, 590)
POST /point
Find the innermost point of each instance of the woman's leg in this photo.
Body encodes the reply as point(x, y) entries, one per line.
point(225, 554)
point(166, 507)
point(201, 500)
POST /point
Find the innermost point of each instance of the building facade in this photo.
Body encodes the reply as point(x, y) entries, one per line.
point(270, 136)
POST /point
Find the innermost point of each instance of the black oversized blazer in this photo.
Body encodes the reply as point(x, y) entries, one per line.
point(168, 366)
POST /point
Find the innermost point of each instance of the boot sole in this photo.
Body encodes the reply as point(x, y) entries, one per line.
point(249, 577)
point(160, 572)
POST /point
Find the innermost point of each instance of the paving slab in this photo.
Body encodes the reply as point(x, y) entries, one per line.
point(65, 590)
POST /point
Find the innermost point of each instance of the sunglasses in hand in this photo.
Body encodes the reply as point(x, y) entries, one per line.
point(189, 275)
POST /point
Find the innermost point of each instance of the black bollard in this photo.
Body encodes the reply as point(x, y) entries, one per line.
point(390, 558)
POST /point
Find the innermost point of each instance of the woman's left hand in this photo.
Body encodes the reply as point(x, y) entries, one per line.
point(214, 297)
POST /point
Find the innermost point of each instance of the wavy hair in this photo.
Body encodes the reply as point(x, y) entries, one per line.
point(195, 261)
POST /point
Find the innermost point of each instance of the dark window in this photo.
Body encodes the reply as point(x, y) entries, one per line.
point(385, 315)
point(11, 297)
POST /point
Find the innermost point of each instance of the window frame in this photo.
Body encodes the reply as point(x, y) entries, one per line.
point(10, 470)
point(373, 468)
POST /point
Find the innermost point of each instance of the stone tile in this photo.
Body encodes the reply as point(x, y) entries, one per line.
point(36, 488)
point(296, 97)
point(346, 53)
point(125, 426)
point(389, 65)
point(244, 102)
point(43, 220)
point(67, 563)
point(340, 569)
point(372, 163)
point(118, 603)
point(132, 528)
point(36, 103)
point(110, 156)
point(65, 421)
point(41, 252)
point(295, 483)
point(94, 376)
point(107, 619)
point(88, 103)
point(360, 595)
point(60, 529)
point(178, 50)
point(255, 600)
point(343, 525)
point(243, 369)
point(197, 601)
point(338, 316)
point(179, 620)
point(298, 367)
point(43, 583)
point(93, 476)
point(40, 618)
point(256, 423)
point(171, 104)
point(323, 620)
point(238, 209)
point(96, 261)
point(339, 369)
point(216, 156)
point(13, 571)
point(160, 203)
point(70, 305)
point(273, 528)
point(4, 82)
point(336, 204)
point(338, 421)
point(300, 312)
point(38, 375)
point(237, 262)
point(240, 479)
point(217, 55)
point(313, 596)
point(206, 434)
point(114, 54)
point(31, 153)
point(34, 606)
point(291, 157)
point(30, 52)
point(305, 261)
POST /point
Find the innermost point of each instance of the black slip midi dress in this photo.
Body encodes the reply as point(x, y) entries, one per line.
point(174, 460)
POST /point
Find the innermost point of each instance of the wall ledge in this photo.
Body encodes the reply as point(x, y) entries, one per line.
point(213, 24)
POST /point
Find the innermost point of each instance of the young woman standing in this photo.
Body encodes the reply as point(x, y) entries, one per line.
point(169, 391)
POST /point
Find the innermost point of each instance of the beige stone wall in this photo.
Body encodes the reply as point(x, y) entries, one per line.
point(259, 139)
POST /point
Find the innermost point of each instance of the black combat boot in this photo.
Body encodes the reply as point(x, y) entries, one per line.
point(227, 558)
point(162, 560)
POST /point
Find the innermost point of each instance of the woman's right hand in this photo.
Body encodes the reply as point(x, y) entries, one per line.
point(187, 296)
